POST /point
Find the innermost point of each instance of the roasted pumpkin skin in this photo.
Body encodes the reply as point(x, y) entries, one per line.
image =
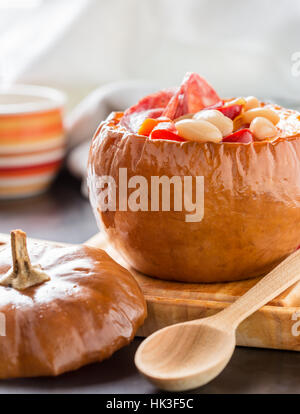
point(251, 203)
point(89, 308)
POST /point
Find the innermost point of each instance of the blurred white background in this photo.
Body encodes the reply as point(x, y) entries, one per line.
point(241, 47)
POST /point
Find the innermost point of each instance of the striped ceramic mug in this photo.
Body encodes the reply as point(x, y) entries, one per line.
point(32, 139)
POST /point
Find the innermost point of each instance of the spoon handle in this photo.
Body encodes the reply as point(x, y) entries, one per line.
point(279, 279)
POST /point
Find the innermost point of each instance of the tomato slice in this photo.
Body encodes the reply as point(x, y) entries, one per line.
point(134, 121)
point(166, 130)
point(155, 100)
point(243, 135)
point(151, 106)
point(193, 95)
point(231, 111)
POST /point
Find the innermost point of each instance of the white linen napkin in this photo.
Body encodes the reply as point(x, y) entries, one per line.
point(83, 121)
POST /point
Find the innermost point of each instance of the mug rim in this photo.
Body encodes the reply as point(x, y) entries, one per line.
point(54, 98)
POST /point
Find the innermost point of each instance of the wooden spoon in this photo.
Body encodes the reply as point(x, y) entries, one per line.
point(190, 354)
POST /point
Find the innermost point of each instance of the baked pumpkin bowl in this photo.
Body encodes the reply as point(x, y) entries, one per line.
point(248, 199)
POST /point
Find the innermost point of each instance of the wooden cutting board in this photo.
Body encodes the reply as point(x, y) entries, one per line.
point(276, 325)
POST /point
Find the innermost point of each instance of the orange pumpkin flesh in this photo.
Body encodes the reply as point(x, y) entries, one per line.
point(88, 309)
point(251, 203)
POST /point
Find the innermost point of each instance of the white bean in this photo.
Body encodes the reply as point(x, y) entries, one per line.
point(262, 128)
point(215, 117)
point(251, 102)
point(248, 116)
point(198, 130)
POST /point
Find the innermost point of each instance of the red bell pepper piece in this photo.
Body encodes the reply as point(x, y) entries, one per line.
point(166, 130)
point(215, 106)
point(149, 124)
point(231, 111)
point(243, 135)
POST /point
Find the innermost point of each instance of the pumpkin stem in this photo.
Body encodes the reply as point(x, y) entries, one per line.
point(23, 274)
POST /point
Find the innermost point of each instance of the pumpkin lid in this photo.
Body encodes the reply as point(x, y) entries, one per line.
point(65, 307)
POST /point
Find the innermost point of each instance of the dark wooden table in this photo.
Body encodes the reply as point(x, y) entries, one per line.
point(64, 215)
